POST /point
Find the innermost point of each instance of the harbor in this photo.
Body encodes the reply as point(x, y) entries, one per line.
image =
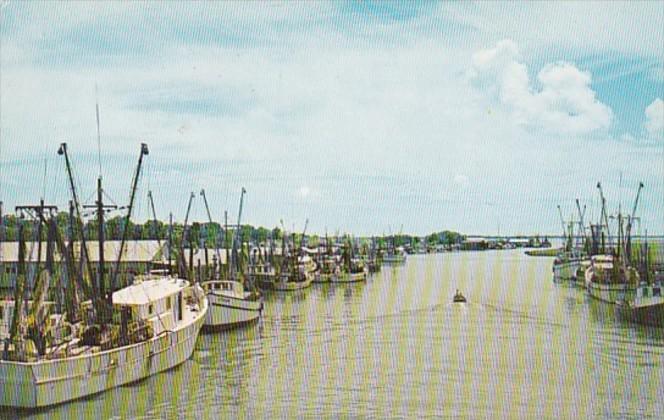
point(331, 209)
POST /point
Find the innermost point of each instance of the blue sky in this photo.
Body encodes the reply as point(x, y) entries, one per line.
point(361, 116)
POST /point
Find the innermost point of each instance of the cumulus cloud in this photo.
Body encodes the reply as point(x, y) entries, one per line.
point(655, 118)
point(561, 101)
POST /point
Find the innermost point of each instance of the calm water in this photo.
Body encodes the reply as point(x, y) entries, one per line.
point(395, 347)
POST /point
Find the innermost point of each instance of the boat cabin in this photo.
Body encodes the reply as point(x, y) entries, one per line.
point(225, 287)
point(158, 301)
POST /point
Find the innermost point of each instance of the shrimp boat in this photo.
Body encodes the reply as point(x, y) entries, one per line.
point(354, 269)
point(161, 319)
point(328, 269)
point(396, 257)
point(646, 306)
point(93, 339)
point(231, 303)
point(299, 278)
point(610, 277)
point(294, 271)
point(567, 263)
point(608, 281)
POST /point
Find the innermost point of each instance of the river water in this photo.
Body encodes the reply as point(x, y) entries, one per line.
point(396, 347)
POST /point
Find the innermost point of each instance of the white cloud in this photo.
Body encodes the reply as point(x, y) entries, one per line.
point(655, 118)
point(564, 101)
point(461, 180)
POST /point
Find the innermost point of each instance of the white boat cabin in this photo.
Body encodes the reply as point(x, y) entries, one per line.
point(224, 287)
point(157, 301)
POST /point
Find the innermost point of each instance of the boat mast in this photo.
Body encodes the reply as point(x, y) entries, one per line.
point(137, 174)
point(630, 219)
point(79, 221)
point(100, 209)
point(604, 217)
point(237, 237)
point(582, 226)
point(216, 242)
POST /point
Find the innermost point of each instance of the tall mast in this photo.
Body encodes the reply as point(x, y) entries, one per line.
point(237, 236)
point(100, 209)
point(137, 174)
point(630, 219)
point(79, 221)
point(604, 216)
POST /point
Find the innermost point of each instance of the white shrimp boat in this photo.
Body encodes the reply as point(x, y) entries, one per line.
point(166, 315)
point(610, 284)
point(646, 307)
point(230, 305)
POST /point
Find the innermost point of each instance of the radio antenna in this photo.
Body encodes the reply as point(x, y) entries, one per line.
point(98, 132)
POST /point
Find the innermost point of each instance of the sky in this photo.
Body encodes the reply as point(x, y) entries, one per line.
point(364, 117)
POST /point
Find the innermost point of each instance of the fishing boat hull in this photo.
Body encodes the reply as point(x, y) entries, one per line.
point(30, 385)
point(646, 313)
point(394, 260)
point(647, 307)
point(609, 293)
point(565, 270)
point(288, 286)
point(350, 277)
point(226, 312)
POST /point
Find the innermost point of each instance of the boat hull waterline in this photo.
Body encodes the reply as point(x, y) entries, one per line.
point(226, 312)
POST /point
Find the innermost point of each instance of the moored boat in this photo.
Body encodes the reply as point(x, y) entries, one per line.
point(159, 322)
point(646, 306)
point(230, 305)
point(608, 281)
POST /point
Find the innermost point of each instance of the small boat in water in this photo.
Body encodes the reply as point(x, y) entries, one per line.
point(230, 305)
point(458, 297)
point(232, 302)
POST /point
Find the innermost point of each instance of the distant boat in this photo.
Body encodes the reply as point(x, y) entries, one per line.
point(328, 268)
point(397, 257)
point(352, 269)
point(288, 282)
point(459, 298)
point(230, 305)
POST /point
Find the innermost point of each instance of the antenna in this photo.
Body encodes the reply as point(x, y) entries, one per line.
point(98, 132)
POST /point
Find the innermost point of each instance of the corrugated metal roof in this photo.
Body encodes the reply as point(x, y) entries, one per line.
point(134, 251)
